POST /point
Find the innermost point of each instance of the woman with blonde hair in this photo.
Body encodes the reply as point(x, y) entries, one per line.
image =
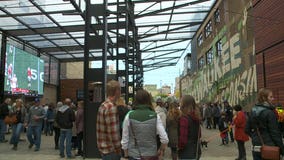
point(189, 129)
point(172, 127)
point(262, 124)
point(20, 113)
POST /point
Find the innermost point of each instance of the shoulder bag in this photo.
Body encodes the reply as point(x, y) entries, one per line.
point(268, 152)
point(11, 119)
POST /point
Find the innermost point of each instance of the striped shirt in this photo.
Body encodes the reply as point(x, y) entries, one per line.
point(108, 136)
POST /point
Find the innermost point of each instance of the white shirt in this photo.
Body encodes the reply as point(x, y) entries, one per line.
point(159, 127)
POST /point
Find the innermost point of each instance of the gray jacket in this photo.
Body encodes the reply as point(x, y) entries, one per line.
point(35, 111)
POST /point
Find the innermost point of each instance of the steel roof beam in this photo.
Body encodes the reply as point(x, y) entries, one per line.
point(162, 32)
point(169, 8)
point(38, 13)
point(154, 57)
point(171, 16)
point(78, 28)
point(162, 45)
point(55, 22)
point(26, 25)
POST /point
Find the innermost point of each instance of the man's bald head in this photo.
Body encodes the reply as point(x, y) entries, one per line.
point(68, 101)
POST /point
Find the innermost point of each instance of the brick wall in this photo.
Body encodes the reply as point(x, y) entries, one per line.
point(69, 87)
point(269, 37)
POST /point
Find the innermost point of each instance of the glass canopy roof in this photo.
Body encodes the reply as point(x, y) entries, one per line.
point(165, 27)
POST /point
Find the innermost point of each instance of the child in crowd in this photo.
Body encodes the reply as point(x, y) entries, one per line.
point(223, 128)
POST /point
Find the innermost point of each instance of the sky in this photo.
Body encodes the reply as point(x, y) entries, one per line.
point(164, 76)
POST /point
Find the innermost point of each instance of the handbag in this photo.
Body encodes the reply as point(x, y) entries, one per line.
point(10, 119)
point(136, 144)
point(268, 152)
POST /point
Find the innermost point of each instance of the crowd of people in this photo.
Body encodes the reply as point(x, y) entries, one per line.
point(65, 120)
point(146, 128)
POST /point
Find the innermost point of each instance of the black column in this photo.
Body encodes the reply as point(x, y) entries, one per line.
point(2, 69)
point(94, 78)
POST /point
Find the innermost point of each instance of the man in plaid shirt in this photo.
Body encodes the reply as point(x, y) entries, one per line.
point(108, 136)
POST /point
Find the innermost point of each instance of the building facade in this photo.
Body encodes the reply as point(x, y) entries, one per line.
point(238, 50)
point(223, 56)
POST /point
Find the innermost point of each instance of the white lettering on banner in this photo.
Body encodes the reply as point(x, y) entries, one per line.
point(244, 81)
point(235, 51)
point(41, 76)
point(226, 58)
point(34, 74)
point(244, 85)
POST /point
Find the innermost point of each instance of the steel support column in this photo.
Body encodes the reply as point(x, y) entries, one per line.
point(2, 69)
point(95, 79)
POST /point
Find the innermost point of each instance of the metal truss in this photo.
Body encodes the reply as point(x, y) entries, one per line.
point(158, 25)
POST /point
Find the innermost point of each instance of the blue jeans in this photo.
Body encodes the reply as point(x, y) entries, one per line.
point(3, 129)
point(16, 131)
point(49, 128)
point(256, 155)
point(65, 134)
point(34, 135)
point(111, 156)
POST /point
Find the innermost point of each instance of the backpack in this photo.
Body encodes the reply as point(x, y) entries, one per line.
point(255, 120)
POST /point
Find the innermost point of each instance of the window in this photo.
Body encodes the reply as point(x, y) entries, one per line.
point(199, 39)
point(217, 16)
point(209, 56)
point(219, 48)
point(201, 62)
point(208, 29)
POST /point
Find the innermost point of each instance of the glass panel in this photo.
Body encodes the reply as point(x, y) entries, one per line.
point(65, 42)
point(54, 71)
point(217, 16)
point(31, 37)
point(66, 20)
point(22, 7)
point(42, 44)
point(78, 55)
point(219, 48)
point(201, 62)
point(56, 35)
point(209, 56)
point(46, 67)
point(58, 7)
point(8, 22)
point(199, 40)
point(208, 29)
point(63, 56)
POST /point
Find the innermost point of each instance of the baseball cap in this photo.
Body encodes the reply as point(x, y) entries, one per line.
point(37, 100)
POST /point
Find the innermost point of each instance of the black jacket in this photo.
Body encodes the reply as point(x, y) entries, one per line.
point(65, 117)
point(4, 110)
point(263, 117)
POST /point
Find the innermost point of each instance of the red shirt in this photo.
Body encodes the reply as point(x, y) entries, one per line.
point(108, 135)
point(29, 73)
point(240, 123)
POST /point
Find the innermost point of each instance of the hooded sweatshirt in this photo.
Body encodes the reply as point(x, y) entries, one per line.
point(65, 117)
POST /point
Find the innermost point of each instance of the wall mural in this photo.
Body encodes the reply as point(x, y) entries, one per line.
point(231, 76)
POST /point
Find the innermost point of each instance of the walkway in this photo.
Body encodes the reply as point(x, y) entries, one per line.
point(47, 152)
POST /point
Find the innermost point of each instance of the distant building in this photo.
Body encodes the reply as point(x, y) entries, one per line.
point(152, 89)
point(177, 88)
point(165, 90)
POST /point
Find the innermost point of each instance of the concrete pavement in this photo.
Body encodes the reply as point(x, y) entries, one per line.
point(47, 151)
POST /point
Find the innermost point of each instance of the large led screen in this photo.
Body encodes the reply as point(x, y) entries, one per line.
point(24, 72)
